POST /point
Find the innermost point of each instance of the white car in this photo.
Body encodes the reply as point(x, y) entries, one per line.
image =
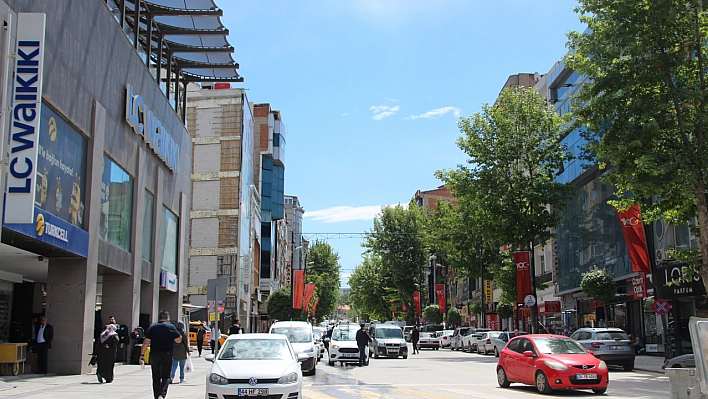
point(258, 365)
point(319, 339)
point(445, 337)
point(300, 335)
point(428, 340)
point(484, 343)
point(342, 345)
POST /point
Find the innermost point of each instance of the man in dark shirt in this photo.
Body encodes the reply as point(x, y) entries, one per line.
point(161, 337)
point(415, 337)
point(236, 328)
point(362, 341)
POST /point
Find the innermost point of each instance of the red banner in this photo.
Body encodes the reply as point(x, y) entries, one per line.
point(314, 306)
point(492, 321)
point(440, 292)
point(522, 260)
point(416, 301)
point(298, 288)
point(309, 290)
point(633, 230)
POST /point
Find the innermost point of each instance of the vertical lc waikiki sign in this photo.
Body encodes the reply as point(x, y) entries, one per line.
point(24, 123)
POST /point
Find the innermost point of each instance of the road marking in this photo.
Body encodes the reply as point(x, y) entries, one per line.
point(421, 394)
point(361, 393)
point(310, 394)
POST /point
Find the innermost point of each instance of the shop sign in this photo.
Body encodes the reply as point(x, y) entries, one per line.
point(549, 307)
point(638, 286)
point(24, 125)
point(144, 122)
point(168, 280)
point(492, 321)
point(54, 231)
point(524, 312)
point(678, 281)
point(595, 304)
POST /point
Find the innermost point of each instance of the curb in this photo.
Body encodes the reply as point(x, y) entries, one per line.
point(649, 370)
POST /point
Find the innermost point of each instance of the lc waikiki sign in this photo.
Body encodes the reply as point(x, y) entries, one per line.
point(24, 123)
point(144, 122)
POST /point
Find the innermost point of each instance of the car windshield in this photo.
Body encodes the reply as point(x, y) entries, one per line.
point(558, 346)
point(426, 335)
point(388, 333)
point(255, 349)
point(294, 334)
point(344, 334)
point(612, 336)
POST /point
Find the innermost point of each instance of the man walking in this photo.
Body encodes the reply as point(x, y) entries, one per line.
point(161, 337)
point(215, 337)
point(362, 341)
point(415, 337)
point(200, 338)
point(45, 335)
point(236, 328)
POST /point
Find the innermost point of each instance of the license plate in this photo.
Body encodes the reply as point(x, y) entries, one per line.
point(393, 351)
point(586, 376)
point(252, 391)
point(616, 347)
point(350, 355)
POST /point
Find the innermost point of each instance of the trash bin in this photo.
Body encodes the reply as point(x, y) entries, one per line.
point(681, 381)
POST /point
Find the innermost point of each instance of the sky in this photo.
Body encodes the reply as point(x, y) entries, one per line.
point(371, 92)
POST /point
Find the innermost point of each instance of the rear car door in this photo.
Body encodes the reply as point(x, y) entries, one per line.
point(526, 366)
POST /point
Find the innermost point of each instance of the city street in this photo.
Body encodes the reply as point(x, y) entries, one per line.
point(441, 374)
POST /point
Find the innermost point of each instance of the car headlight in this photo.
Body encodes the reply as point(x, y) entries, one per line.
point(218, 380)
point(602, 366)
point(381, 344)
point(555, 365)
point(309, 350)
point(288, 379)
point(334, 346)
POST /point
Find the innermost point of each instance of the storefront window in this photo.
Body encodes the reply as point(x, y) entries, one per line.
point(116, 205)
point(168, 241)
point(147, 226)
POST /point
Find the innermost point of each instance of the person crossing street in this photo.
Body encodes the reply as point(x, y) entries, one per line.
point(415, 337)
point(362, 341)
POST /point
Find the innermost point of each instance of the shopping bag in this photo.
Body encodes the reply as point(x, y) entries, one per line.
point(188, 366)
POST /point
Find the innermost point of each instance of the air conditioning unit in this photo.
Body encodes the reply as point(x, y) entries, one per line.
point(662, 255)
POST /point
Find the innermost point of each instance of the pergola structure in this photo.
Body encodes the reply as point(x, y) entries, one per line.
point(182, 41)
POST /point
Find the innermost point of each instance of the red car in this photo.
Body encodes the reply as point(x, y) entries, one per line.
point(551, 362)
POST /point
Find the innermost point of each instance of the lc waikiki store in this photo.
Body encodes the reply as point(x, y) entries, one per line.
point(97, 187)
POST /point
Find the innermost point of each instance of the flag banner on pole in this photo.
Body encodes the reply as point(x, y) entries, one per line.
point(440, 292)
point(298, 288)
point(309, 290)
point(522, 260)
point(416, 301)
point(633, 230)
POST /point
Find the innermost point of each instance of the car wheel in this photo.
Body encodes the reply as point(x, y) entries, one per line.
point(542, 383)
point(629, 366)
point(501, 378)
point(496, 352)
point(331, 363)
point(599, 391)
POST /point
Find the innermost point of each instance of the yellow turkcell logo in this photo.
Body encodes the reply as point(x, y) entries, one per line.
point(52, 129)
point(40, 224)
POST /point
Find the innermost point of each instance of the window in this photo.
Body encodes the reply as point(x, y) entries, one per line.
point(147, 226)
point(168, 241)
point(116, 205)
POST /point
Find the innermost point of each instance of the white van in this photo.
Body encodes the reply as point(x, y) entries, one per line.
point(302, 339)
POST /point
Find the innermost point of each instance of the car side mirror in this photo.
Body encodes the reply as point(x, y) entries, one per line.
point(528, 354)
point(209, 358)
point(301, 357)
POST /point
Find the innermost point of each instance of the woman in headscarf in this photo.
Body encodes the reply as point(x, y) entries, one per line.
point(179, 355)
point(107, 353)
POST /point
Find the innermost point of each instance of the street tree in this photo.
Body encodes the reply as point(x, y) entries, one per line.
point(432, 314)
point(371, 289)
point(645, 105)
point(397, 238)
point(515, 150)
point(278, 305)
point(323, 270)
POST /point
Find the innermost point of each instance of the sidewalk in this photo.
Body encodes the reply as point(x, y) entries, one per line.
point(130, 382)
point(649, 363)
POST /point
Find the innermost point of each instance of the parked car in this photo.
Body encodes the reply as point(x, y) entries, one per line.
point(431, 328)
point(683, 361)
point(468, 341)
point(428, 340)
point(387, 340)
point(445, 337)
point(269, 358)
point(609, 344)
point(498, 343)
point(342, 345)
point(407, 333)
point(456, 338)
point(484, 342)
point(551, 362)
point(299, 333)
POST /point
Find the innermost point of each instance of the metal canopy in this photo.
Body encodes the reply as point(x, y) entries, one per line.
point(185, 37)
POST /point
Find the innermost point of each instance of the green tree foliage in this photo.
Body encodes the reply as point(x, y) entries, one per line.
point(453, 317)
point(504, 273)
point(324, 273)
point(278, 305)
point(505, 310)
point(476, 308)
point(397, 239)
point(371, 289)
point(644, 104)
point(432, 314)
point(598, 285)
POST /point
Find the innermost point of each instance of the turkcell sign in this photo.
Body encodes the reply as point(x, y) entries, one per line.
point(155, 134)
point(24, 123)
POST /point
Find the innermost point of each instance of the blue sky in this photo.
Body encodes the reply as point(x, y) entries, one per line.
point(371, 91)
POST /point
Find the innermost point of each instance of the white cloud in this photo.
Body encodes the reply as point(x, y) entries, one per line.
point(346, 213)
point(434, 113)
point(383, 111)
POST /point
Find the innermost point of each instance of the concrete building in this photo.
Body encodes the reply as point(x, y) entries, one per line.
point(96, 220)
point(297, 244)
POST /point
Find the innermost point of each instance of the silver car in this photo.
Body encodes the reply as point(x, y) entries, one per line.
point(683, 361)
point(484, 342)
point(609, 344)
point(498, 343)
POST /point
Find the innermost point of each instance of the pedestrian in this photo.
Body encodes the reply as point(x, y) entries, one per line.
point(362, 341)
point(107, 350)
point(328, 337)
point(201, 332)
point(415, 337)
point(161, 337)
point(637, 341)
point(179, 357)
point(215, 337)
point(45, 335)
point(236, 328)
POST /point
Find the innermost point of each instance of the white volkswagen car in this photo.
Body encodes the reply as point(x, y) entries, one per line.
point(342, 345)
point(255, 365)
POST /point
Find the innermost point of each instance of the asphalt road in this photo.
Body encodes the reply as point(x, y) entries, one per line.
point(446, 374)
